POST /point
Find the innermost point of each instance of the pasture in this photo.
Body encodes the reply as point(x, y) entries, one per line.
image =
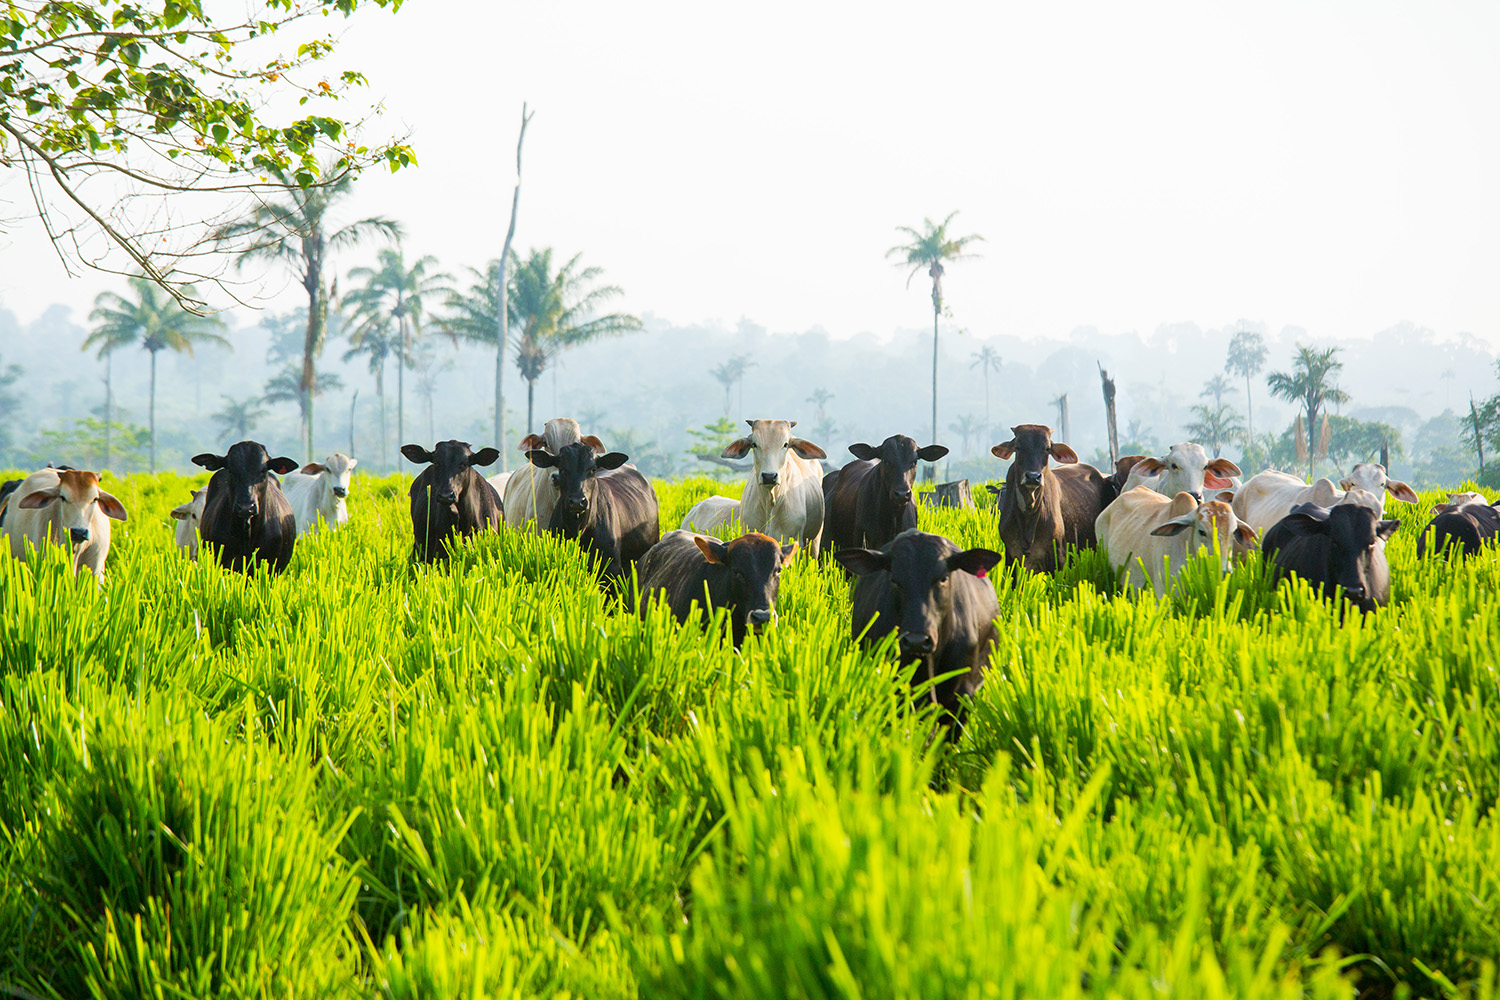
point(367, 777)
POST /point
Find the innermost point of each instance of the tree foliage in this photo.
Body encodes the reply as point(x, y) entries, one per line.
point(105, 104)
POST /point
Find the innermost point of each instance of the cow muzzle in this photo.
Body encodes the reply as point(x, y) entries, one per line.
point(340, 492)
point(79, 535)
point(447, 499)
point(902, 497)
point(768, 479)
point(245, 512)
point(759, 619)
point(1355, 591)
point(915, 645)
point(1031, 481)
point(577, 505)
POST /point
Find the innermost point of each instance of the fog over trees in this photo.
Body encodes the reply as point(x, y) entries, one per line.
point(647, 390)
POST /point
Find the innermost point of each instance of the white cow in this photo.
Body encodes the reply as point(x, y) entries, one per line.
point(1185, 468)
point(711, 513)
point(1143, 528)
point(529, 494)
point(784, 495)
point(499, 481)
point(57, 507)
point(1267, 497)
point(188, 516)
point(317, 492)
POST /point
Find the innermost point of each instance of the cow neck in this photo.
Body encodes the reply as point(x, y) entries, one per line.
point(1034, 516)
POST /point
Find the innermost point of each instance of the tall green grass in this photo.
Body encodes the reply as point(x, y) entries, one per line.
point(491, 777)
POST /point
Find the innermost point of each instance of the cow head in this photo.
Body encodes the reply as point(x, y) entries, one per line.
point(1031, 444)
point(450, 460)
point(246, 465)
point(1186, 468)
point(754, 562)
point(192, 511)
point(773, 443)
point(74, 497)
point(898, 456)
point(1456, 501)
point(574, 471)
point(1357, 535)
point(1212, 524)
point(921, 567)
point(1371, 477)
point(557, 434)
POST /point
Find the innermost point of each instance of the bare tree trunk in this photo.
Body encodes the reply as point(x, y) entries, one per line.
point(502, 296)
point(401, 386)
point(317, 315)
point(931, 470)
point(530, 402)
point(1109, 416)
point(1478, 436)
point(153, 413)
point(352, 401)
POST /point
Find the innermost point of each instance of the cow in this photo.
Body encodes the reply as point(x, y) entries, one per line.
point(62, 507)
point(317, 492)
point(783, 496)
point(1142, 529)
point(529, 493)
point(188, 517)
point(934, 595)
point(1267, 497)
point(611, 511)
point(711, 514)
point(1467, 520)
point(1046, 511)
point(450, 498)
point(744, 575)
point(1339, 550)
point(869, 502)
point(1122, 482)
point(500, 481)
point(1185, 468)
point(245, 515)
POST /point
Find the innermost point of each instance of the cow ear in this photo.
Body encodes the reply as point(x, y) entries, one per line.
point(181, 513)
point(1223, 467)
point(353, 462)
point(312, 469)
point(1246, 536)
point(862, 561)
point(211, 462)
point(1176, 526)
point(281, 466)
point(1224, 496)
point(613, 460)
point(37, 500)
point(976, 561)
point(593, 442)
point(863, 452)
point(541, 459)
point(1310, 510)
point(1401, 491)
point(1386, 528)
point(111, 507)
point(932, 452)
point(788, 551)
point(1063, 453)
point(1003, 451)
point(791, 423)
point(713, 550)
point(1148, 467)
point(806, 449)
point(1305, 524)
point(485, 456)
point(416, 454)
point(1346, 483)
point(531, 442)
point(736, 448)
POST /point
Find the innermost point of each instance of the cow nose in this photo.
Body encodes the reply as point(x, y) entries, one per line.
point(1033, 479)
point(902, 496)
point(761, 617)
point(578, 504)
point(915, 644)
point(1355, 592)
point(80, 535)
point(768, 479)
point(447, 498)
point(1197, 496)
point(340, 492)
point(244, 511)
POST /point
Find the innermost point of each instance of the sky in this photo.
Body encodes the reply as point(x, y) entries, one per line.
point(1331, 166)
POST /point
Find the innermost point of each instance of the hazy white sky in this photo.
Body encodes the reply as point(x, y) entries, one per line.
point(1334, 166)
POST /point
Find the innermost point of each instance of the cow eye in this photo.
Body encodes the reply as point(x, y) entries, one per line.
point(556, 479)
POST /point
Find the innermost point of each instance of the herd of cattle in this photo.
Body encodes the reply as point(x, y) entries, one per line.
point(1151, 515)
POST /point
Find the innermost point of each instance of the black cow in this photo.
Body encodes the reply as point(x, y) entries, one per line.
point(1469, 525)
point(613, 513)
point(743, 575)
point(1046, 511)
point(934, 595)
point(867, 503)
point(1338, 550)
point(449, 497)
point(246, 518)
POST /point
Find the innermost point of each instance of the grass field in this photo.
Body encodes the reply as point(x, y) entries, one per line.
point(483, 779)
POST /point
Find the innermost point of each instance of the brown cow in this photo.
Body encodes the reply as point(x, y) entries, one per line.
point(1045, 511)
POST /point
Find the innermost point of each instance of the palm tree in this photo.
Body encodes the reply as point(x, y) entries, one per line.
point(392, 289)
point(475, 316)
point(377, 343)
point(820, 398)
point(286, 387)
point(1215, 424)
point(929, 249)
point(1310, 384)
point(298, 233)
point(107, 341)
point(987, 360)
point(1217, 387)
point(425, 363)
point(552, 311)
point(154, 320)
point(1247, 356)
point(966, 427)
point(239, 417)
point(725, 375)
